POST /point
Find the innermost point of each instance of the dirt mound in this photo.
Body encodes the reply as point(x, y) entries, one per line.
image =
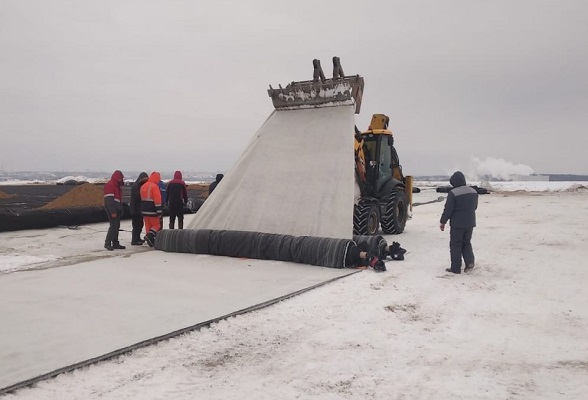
point(200, 188)
point(85, 195)
point(4, 195)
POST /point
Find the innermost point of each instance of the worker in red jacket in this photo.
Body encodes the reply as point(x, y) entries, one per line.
point(114, 209)
point(151, 207)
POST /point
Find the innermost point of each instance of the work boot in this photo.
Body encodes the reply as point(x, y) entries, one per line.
point(468, 267)
point(150, 239)
point(379, 266)
point(452, 271)
point(376, 263)
point(118, 246)
point(180, 224)
point(108, 246)
point(136, 240)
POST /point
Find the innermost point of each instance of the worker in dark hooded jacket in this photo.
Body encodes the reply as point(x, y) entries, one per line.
point(214, 184)
point(460, 210)
point(177, 197)
point(114, 209)
point(163, 191)
point(151, 207)
point(135, 206)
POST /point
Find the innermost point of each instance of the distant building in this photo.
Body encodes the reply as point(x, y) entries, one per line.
point(550, 178)
point(568, 178)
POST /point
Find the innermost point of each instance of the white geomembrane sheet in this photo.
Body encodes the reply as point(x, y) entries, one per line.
point(56, 317)
point(295, 177)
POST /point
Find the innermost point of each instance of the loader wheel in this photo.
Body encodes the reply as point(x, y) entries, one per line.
point(395, 214)
point(365, 218)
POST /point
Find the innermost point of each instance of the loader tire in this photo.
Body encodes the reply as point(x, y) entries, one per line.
point(365, 218)
point(395, 214)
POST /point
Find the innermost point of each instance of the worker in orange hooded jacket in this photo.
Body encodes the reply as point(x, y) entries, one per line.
point(151, 207)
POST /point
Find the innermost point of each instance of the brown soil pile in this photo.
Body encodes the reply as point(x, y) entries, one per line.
point(4, 195)
point(86, 195)
point(200, 188)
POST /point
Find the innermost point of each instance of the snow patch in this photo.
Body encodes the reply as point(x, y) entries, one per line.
point(18, 261)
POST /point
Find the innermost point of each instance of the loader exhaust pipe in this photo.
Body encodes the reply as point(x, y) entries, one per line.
point(320, 91)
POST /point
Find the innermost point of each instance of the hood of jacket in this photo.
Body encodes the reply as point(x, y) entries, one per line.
point(178, 175)
point(457, 179)
point(219, 177)
point(142, 177)
point(117, 177)
point(155, 177)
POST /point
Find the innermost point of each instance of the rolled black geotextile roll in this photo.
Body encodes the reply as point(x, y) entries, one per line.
point(326, 252)
point(447, 189)
point(40, 219)
point(374, 244)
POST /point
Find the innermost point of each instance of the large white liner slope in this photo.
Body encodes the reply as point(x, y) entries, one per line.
point(295, 177)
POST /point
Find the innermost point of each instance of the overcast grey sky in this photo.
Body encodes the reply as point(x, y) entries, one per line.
point(145, 85)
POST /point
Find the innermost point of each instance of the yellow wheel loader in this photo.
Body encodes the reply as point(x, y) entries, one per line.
point(383, 194)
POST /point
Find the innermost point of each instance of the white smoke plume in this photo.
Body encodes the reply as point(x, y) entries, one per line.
point(496, 169)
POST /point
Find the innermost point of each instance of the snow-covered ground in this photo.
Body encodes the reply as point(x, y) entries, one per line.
point(514, 328)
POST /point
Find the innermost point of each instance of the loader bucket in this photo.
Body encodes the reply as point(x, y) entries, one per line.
point(320, 92)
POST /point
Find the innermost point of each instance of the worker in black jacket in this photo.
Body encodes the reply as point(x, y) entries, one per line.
point(460, 210)
point(213, 185)
point(177, 197)
point(135, 208)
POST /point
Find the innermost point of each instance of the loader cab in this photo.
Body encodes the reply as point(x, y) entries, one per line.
point(378, 152)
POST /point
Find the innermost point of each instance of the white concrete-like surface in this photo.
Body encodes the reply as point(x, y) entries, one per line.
point(295, 177)
point(56, 317)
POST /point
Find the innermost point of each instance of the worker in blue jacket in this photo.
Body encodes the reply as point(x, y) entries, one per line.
point(460, 210)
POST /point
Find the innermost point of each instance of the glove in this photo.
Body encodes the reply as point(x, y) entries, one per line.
point(113, 215)
point(377, 264)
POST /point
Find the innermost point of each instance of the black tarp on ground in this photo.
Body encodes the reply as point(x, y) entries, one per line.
point(321, 251)
point(20, 210)
point(41, 219)
point(28, 197)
